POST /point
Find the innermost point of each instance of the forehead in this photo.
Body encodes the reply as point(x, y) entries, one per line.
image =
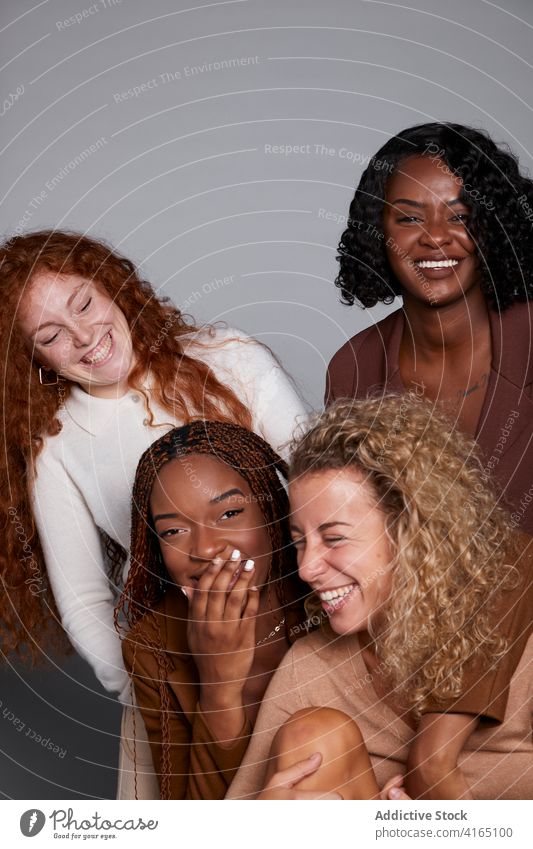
point(198, 477)
point(329, 491)
point(48, 290)
point(423, 176)
point(46, 284)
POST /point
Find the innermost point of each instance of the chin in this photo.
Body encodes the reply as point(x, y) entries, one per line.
point(343, 628)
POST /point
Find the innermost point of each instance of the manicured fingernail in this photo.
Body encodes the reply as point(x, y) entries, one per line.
point(217, 561)
point(248, 566)
point(315, 756)
point(184, 591)
point(235, 554)
point(394, 793)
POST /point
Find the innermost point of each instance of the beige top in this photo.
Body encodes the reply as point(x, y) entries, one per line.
point(325, 671)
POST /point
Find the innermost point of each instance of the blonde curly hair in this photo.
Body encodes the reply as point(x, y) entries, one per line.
point(451, 541)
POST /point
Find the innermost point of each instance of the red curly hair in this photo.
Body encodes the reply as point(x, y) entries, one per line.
point(184, 386)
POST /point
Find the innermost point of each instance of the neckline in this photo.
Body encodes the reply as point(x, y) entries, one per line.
point(355, 653)
point(396, 382)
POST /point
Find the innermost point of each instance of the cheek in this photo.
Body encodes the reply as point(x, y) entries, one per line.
point(174, 561)
point(466, 241)
point(383, 586)
point(257, 541)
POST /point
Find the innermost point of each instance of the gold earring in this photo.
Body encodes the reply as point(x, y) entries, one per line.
point(46, 382)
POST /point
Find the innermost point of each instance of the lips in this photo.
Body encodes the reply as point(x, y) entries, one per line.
point(99, 353)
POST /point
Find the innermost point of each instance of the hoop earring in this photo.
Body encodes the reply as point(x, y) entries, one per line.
point(46, 382)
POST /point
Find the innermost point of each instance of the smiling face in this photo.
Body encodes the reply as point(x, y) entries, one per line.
point(200, 507)
point(343, 550)
point(74, 328)
point(427, 243)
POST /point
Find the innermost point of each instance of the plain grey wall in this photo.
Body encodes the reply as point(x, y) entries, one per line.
point(218, 144)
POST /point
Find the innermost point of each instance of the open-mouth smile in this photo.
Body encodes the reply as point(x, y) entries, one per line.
point(100, 353)
point(334, 600)
point(437, 263)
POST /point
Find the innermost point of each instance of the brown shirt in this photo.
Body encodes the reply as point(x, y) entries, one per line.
point(200, 767)
point(327, 670)
point(369, 364)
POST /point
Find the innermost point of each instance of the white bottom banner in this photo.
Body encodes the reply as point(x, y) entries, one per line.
point(241, 825)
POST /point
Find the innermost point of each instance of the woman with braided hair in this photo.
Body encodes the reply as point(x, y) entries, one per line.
point(212, 597)
point(96, 368)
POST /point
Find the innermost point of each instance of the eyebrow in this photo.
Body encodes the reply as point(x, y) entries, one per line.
point(415, 203)
point(50, 323)
point(325, 525)
point(166, 516)
point(216, 500)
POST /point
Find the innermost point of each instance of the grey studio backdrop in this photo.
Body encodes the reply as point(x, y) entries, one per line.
point(218, 145)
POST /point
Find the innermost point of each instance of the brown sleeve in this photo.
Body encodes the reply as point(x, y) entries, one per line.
point(340, 375)
point(142, 666)
point(200, 767)
point(486, 694)
point(213, 766)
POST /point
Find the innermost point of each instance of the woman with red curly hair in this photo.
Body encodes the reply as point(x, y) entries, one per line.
point(96, 368)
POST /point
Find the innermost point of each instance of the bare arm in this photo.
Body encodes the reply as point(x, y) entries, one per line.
point(432, 764)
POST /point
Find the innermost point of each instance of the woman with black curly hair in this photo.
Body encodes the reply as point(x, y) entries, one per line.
point(445, 221)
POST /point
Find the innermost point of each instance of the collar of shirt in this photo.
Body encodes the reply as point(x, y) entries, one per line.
point(94, 414)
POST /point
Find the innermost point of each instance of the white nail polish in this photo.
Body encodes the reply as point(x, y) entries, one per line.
point(235, 554)
point(184, 591)
point(248, 566)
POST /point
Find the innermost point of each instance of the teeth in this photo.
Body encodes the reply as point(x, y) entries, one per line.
point(340, 593)
point(101, 352)
point(438, 263)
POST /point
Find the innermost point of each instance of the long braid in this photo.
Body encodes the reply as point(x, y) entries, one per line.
point(263, 470)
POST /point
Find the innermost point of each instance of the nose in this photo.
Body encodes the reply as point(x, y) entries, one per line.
point(435, 234)
point(206, 543)
point(311, 564)
point(81, 334)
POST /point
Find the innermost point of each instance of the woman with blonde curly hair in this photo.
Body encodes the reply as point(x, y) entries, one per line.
point(418, 574)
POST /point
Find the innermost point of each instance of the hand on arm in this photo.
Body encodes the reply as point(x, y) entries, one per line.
point(432, 764)
point(221, 637)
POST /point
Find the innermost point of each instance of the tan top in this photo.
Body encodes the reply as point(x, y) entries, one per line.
point(325, 670)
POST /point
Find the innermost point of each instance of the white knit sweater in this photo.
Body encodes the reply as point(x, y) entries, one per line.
point(85, 474)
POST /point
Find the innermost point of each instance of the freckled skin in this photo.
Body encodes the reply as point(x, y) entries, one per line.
point(77, 315)
point(340, 537)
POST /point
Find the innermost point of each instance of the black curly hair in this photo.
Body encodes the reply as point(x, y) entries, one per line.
point(501, 222)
